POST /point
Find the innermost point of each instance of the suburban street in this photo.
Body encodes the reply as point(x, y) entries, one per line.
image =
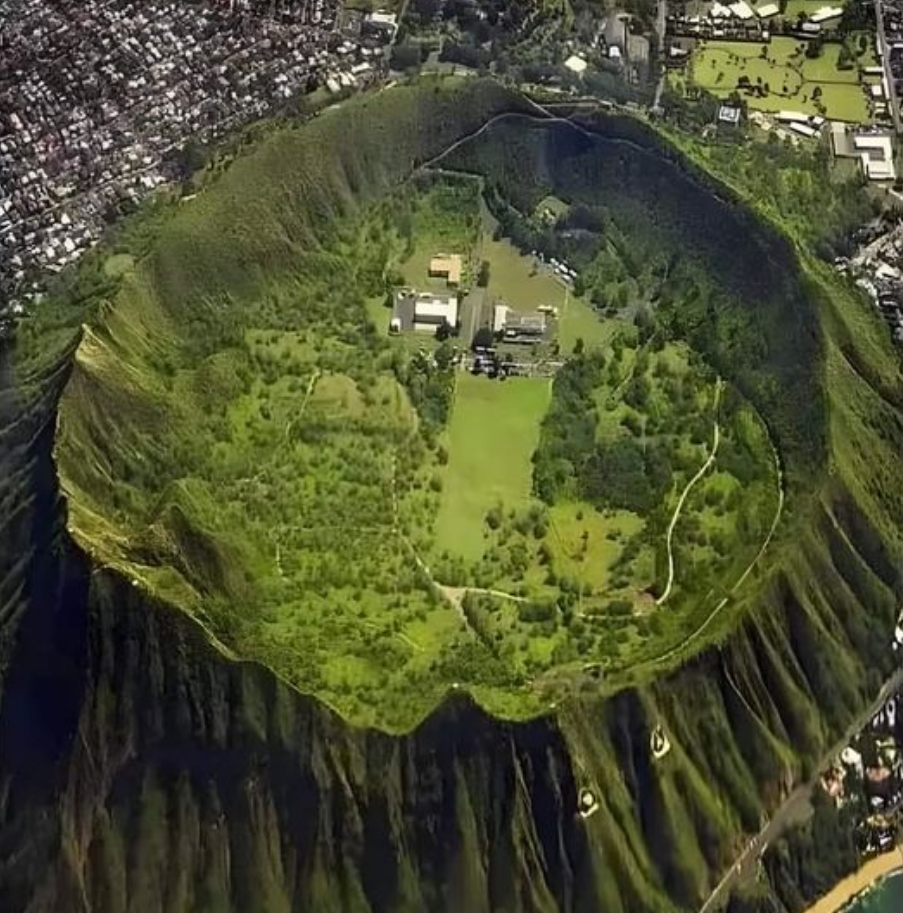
point(661, 16)
point(795, 807)
point(885, 62)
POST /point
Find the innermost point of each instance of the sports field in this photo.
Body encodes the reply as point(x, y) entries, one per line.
point(783, 77)
point(493, 432)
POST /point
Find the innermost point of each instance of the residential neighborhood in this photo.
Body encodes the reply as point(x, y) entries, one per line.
point(868, 773)
point(96, 99)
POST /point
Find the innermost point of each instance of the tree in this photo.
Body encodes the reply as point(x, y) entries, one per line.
point(483, 339)
point(579, 346)
point(483, 274)
point(190, 158)
point(814, 48)
point(444, 354)
point(405, 57)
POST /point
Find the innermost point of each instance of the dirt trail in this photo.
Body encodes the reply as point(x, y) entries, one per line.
point(706, 466)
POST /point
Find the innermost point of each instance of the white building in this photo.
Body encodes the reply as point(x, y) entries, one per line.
point(876, 152)
point(576, 64)
point(431, 311)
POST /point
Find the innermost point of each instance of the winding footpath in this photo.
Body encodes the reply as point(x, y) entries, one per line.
point(706, 466)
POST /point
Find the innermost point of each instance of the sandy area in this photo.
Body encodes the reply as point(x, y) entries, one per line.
point(858, 882)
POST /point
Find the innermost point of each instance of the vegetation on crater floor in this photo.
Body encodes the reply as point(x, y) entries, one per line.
point(240, 436)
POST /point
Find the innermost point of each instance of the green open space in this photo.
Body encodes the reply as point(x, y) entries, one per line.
point(445, 219)
point(241, 438)
point(518, 282)
point(117, 265)
point(782, 77)
point(493, 432)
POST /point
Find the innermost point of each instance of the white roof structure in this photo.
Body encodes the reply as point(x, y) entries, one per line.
point(384, 20)
point(499, 316)
point(876, 152)
point(767, 11)
point(788, 117)
point(432, 310)
point(803, 129)
point(576, 64)
point(823, 13)
point(742, 10)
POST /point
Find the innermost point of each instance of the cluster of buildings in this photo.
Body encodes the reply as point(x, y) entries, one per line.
point(624, 49)
point(439, 309)
point(96, 96)
point(890, 43)
point(869, 772)
point(874, 150)
point(512, 326)
point(741, 21)
point(428, 311)
point(876, 268)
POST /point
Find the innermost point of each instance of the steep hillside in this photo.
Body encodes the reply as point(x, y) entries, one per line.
point(147, 765)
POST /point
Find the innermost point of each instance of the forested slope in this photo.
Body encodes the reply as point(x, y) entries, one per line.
point(143, 770)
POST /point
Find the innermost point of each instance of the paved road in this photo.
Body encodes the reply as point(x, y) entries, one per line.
point(660, 25)
point(885, 62)
point(795, 804)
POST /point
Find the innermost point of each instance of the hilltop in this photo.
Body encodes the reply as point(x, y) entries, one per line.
point(689, 528)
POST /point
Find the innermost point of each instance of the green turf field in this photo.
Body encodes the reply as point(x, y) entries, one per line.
point(578, 320)
point(516, 280)
point(789, 79)
point(493, 432)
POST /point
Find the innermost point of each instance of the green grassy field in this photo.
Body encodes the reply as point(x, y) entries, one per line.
point(517, 282)
point(493, 432)
point(578, 320)
point(586, 544)
point(792, 80)
point(445, 219)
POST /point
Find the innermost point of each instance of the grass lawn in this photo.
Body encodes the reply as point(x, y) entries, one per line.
point(824, 68)
point(553, 205)
point(791, 77)
point(845, 102)
point(118, 265)
point(720, 64)
point(443, 220)
point(579, 320)
point(586, 542)
point(513, 279)
point(493, 432)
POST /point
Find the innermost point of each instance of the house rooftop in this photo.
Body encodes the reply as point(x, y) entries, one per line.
point(576, 64)
point(448, 267)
